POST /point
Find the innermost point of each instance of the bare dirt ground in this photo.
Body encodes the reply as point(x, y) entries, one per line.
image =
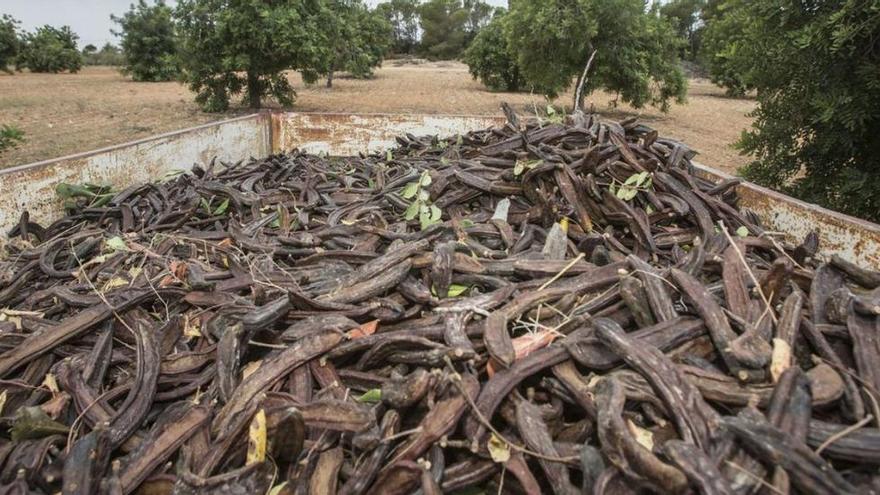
point(63, 114)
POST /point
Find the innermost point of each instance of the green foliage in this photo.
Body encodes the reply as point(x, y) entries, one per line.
point(815, 70)
point(726, 44)
point(9, 42)
point(148, 42)
point(10, 137)
point(636, 50)
point(403, 15)
point(685, 18)
point(229, 47)
point(491, 61)
point(50, 49)
point(449, 25)
point(360, 38)
point(421, 207)
point(107, 55)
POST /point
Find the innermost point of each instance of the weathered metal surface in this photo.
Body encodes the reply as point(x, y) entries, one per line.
point(349, 134)
point(32, 186)
point(854, 239)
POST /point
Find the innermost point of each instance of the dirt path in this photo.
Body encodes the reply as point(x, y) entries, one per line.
point(63, 113)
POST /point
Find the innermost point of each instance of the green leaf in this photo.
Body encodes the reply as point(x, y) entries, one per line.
point(425, 180)
point(116, 243)
point(435, 213)
point(627, 193)
point(410, 190)
point(372, 396)
point(550, 110)
point(412, 210)
point(466, 223)
point(456, 290)
point(222, 208)
point(424, 195)
point(33, 422)
point(389, 156)
point(519, 168)
point(277, 489)
point(206, 205)
point(742, 231)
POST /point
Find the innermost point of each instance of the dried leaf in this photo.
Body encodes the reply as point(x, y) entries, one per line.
point(50, 383)
point(499, 450)
point(257, 439)
point(643, 436)
point(368, 328)
point(780, 359)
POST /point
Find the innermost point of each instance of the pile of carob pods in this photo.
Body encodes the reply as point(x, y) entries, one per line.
point(541, 307)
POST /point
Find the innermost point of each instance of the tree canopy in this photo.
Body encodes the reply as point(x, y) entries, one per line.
point(148, 42)
point(50, 49)
point(551, 41)
point(491, 61)
point(685, 18)
point(9, 42)
point(359, 40)
point(232, 46)
point(403, 15)
point(448, 26)
point(815, 68)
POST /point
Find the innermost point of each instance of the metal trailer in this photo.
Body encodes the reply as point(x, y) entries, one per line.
point(32, 186)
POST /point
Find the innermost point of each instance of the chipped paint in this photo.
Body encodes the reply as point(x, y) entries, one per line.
point(348, 134)
point(852, 238)
point(32, 187)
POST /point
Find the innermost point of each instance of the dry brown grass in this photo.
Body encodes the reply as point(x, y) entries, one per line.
point(63, 113)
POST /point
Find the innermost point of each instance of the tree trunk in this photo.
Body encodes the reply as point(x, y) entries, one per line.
point(330, 79)
point(253, 90)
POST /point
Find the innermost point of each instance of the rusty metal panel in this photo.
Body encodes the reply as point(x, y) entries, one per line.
point(32, 187)
point(348, 134)
point(852, 238)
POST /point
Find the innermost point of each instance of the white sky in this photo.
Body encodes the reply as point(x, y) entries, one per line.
point(90, 19)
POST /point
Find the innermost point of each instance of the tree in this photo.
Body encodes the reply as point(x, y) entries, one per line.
point(9, 43)
point(726, 44)
point(403, 15)
point(448, 26)
point(50, 49)
point(233, 46)
point(90, 49)
point(814, 67)
point(109, 54)
point(636, 50)
point(685, 17)
point(148, 42)
point(491, 61)
point(359, 37)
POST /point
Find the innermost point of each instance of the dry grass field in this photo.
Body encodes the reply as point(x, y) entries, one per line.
point(63, 114)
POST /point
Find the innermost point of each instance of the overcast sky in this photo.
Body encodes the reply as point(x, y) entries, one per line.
point(90, 19)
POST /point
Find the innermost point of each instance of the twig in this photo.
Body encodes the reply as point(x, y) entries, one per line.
point(456, 381)
point(755, 476)
point(567, 267)
point(742, 259)
point(844, 432)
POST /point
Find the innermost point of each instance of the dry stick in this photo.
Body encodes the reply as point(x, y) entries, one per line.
point(456, 379)
point(757, 478)
point(562, 272)
point(748, 270)
point(844, 432)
